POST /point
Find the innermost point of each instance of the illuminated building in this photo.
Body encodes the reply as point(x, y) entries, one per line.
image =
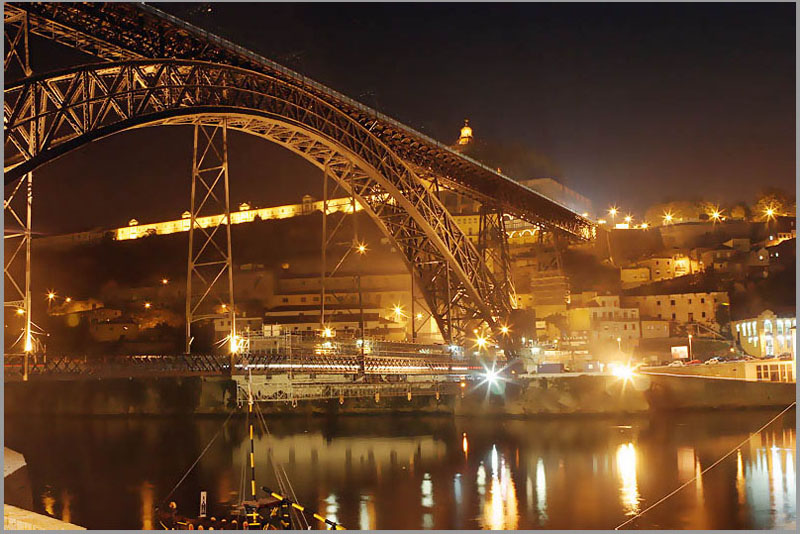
point(766, 335)
point(681, 308)
point(465, 137)
point(246, 214)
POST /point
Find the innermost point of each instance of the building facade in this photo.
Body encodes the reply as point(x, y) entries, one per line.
point(766, 335)
point(680, 308)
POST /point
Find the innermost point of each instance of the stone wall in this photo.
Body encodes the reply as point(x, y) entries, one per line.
point(553, 395)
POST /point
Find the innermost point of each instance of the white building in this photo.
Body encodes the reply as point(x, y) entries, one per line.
point(766, 335)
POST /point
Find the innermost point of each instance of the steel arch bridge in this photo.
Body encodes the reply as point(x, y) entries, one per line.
point(391, 170)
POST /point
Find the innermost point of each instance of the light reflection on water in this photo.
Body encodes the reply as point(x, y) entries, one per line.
point(411, 473)
point(626, 468)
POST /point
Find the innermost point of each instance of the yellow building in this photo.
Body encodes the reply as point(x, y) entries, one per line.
point(634, 276)
point(669, 267)
point(682, 308)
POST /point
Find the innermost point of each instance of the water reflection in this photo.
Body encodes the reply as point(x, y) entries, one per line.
point(626, 468)
point(146, 493)
point(412, 473)
point(366, 513)
point(500, 509)
point(541, 492)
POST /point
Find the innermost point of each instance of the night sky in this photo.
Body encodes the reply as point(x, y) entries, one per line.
point(635, 104)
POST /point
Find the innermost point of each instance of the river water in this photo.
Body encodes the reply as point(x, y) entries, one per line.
point(407, 472)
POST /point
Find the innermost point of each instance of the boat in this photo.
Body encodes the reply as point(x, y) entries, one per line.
point(269, 511)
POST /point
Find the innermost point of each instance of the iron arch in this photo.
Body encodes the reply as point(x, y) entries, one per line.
point(48, 115)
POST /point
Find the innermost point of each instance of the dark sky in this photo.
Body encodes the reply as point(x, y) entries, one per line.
point(636, 103)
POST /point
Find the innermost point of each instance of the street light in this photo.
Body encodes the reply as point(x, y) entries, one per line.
point(668, 218)
point(613, 211)
point(481, 342)
point(619, 343)
point(769, 213)
point(20, 311)
point(690, 347)
point(398, 312)
point(147, 305)
point(504, 329)
point(68, 299)
point(645, 226)
point(164, 281)
point(716, 215)
point(628, 219)
point(362, 248)
point(51, 296)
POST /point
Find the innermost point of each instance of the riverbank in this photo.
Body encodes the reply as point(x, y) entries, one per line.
point(538, 396)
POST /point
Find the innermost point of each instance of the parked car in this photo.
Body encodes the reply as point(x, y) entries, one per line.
point(676, 363)
point(694, 362)
point(715, 359)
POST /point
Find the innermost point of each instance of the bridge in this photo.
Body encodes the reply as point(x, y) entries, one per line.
point(156, 70)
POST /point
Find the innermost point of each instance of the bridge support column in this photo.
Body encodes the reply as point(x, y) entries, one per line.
point(209, 274)
point(18, 203)
point(493, 246)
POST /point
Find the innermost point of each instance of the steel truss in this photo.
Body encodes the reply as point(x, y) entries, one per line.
point(210, 260)
point(18, 198)
point(117, 30)
point(493, 244)
point(76, 106)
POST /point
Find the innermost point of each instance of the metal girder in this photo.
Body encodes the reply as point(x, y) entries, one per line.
point(18, 200)
point(493, 244)
point(115, 31)
point(79, 105)
point(210, 260)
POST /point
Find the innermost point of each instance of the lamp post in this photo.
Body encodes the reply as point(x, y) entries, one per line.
point(690, 348)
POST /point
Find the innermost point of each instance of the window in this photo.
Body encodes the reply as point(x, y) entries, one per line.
point(672, 302)
point(302, 299)
point(658, 303)
point(284, 300)
point(624, 327)
point(659, 316)
point(758, 372)
point(633, 327)
point(316, 299)
point(773, 373)
point(703, 315)
point(690, 301)
point(702, 301)
point(673, 316)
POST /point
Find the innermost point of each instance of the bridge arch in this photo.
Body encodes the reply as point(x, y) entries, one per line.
point(48, 115)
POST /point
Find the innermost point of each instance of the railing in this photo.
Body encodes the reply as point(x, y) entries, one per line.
point(273, 363)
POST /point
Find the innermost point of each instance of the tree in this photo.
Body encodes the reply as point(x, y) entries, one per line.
point(772, 202)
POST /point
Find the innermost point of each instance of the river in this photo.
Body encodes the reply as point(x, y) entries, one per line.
point(405, 472)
